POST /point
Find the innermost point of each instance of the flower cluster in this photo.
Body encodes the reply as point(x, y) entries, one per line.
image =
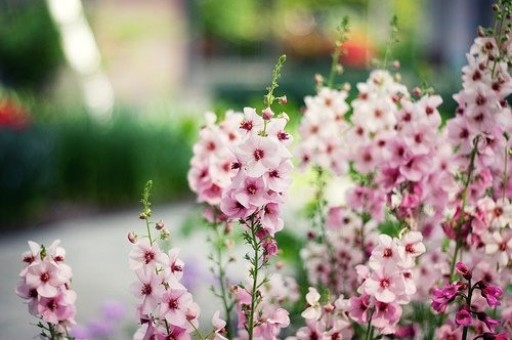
point(327, 320)
point(387, 282)
point(484, 116)
point(46, 285)
point(263, 167)
point(470, 300)
point(271, 316)
point(322, 131)
point(211, 168)
point(166, 308)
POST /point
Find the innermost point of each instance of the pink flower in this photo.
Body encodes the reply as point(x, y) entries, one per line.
point(260, 154)
point(358, 308)
point(463, 317)
point(314, 310)
point(463, 270)
point(145, 255)
point(492, 294)
point(58, 308)
point(385, 253)
point(149, 288)
point(385, 283)
point(175, 305)
point(442, 297)
point(251, 192)
point(386, 316)
point(46, 278)
point(219, 326)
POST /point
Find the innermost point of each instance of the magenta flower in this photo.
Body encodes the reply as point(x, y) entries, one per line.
point(442, 297)
point(463, 270)
point(492, 294)
point(358, 308)
point(463, 317)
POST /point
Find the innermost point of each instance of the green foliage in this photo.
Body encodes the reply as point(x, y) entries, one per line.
point(110, 164)
point(26, 172)
point(78, 160)
point(30, 49)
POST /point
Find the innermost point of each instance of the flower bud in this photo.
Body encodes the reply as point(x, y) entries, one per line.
point(463, 270)
point(416, 91)
point(267, 114)
point(159, 225)
point(283, 100)
point(142, 216)
point(132, 237)
point(328, 308)
point(164, 234)
point(396, 65)
point(319, 79)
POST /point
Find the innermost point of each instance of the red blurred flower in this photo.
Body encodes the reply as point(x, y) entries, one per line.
point(13, 115)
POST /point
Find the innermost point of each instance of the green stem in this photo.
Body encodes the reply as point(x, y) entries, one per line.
point(256, 246)
point(461, 219)
point(269, 98)
point(53, 333)
point(369, 329)
point(319, 221)
point(342, 37)
point(196, 330)
point(222, 278)
point(148, 228)
point(468, 302)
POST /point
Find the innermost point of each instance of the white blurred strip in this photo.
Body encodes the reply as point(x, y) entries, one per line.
point(83, 55)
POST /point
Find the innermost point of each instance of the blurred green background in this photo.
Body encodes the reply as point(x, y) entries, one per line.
point(96, 97)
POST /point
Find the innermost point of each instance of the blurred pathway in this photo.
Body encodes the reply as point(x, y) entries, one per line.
point(97, 250)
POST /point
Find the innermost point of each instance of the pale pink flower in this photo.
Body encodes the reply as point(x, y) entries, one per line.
point(150, 288)
point(385, 253)
point(260, 154)
point(60, 307)
point(499, 245)
point(385, 283)
point(174, 307)
point(386, 317)
point(46, 278)
point(145, 255)
point(219, 326)
point(314, 310)
point(251, 192)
